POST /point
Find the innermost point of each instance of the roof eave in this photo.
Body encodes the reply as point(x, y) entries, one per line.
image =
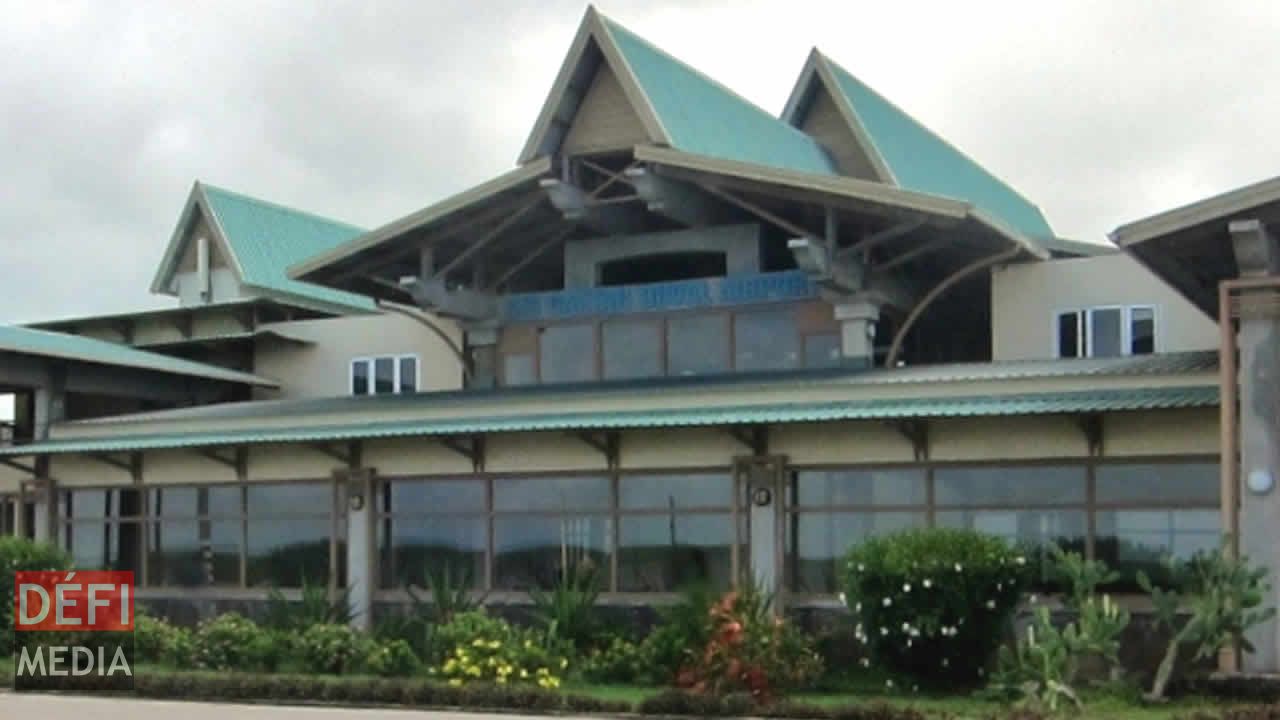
point(311, 270)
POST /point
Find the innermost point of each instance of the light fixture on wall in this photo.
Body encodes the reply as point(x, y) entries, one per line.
point(356, 501)
point(1260, 481)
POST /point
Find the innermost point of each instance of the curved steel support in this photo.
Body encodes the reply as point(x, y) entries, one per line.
point(423, 319)
point(981, 264)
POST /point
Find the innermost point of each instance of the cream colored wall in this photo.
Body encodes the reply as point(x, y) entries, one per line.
point(605, 119)
point(1012, 438)
point(175, 467)
point(413, 456)
point(540, 451)
point(323, 368)
point(80, 471)
point(290, 462)
point(1161, 432)
point(841, 442)
point(11, 479)
point(1026, 298)
point(678, 447)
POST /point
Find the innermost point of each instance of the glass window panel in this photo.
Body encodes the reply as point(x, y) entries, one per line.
point(360, 377)
point(8, 516)
point(408, 375)
point(290, 499)
point(631, 349)
point(384, 375)
point(1104, 335)
point(532, 551)
point(663, 553)
point(413, 547)
point(517, 369)
point(1133, 540)
point(435, 496)
point(567, 353)
point(697, 344)
point(822, 351)
point(816, 541)
point(1069, 335)
point(993, 485)
point(174, 502)
point(283, 552)
point(103, 545)
point(78, 504)
point(194, 553)
point(569, 494)
point(664, 492)
point(1142, 330)
point(824, 488)
point(766, 341)
point(1033, 530)
point(1158, 483)
point(224, 501)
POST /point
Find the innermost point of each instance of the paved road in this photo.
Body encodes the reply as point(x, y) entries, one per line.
point(56, 707)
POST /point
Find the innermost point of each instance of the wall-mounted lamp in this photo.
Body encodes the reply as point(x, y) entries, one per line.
point(1260, 481)
point(356, 501)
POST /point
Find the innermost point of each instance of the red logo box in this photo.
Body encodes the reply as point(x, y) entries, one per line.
point(73, 601)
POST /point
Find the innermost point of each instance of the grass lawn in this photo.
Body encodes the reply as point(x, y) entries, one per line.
point(957, 707)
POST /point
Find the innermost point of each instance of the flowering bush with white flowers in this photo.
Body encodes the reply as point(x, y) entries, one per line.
point(934, 604)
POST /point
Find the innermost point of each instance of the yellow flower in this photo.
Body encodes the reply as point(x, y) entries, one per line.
point(524, 673)
point(478, 642)
point(564, 663)
point(494, 644)
point(455, 682)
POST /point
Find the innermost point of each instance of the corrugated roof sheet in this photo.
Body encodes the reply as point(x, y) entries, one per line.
point(704, 117)
point(268, 238)
point(28, 341)
point(921, 160)
point(1019, 404)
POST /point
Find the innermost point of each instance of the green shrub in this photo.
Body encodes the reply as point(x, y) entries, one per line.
point(234, 642)
point(315, 606)
point(485, 649)
point(329, 649)
point(18, 554)
point(682, 627)
point(750, 651)
point(1225, 597)
point(680, 702)
point(568, 610)
point(618, 661)
point(391, 658)
point(157, 641)
point(934, 604)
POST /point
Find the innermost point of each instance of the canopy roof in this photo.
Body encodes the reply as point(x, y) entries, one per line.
point(1190, 248)
point(60, 346)
point(956, 390)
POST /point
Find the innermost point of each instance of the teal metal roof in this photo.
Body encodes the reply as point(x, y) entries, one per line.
point(267, 238)
point(42, 343)
point(879, 409)
point(921, 160)
point(702, 116)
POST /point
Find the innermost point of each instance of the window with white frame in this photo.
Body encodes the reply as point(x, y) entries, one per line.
point(1109, 331)
point(384, 375)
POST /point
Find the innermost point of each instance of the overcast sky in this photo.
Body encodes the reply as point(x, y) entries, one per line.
point(1101, 112)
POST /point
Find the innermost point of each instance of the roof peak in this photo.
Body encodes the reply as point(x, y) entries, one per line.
point(235, 194)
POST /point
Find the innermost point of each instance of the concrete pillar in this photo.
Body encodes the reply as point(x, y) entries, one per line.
point(50, 403)
point(362, 578)
point(1258, 255)
point(858, 320)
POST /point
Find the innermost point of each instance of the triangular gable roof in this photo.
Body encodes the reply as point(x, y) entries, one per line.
point(908, 154)
point(678, 106)
point(263, 240)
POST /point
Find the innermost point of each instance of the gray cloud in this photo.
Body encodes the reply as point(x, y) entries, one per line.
point(1101, 112)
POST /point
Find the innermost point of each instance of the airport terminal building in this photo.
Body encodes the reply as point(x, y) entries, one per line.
point(685, 339)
